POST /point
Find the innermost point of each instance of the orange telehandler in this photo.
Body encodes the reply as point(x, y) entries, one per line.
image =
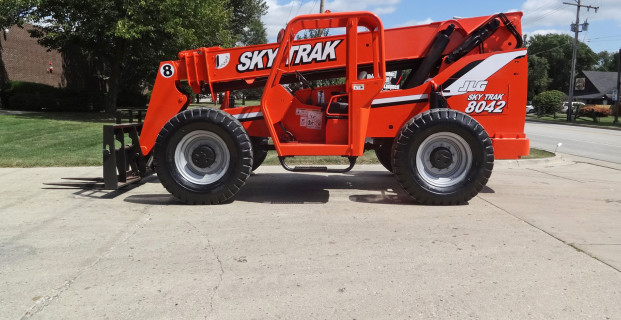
point(457, 106)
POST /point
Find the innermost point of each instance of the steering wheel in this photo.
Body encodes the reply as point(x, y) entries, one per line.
point(304, 80)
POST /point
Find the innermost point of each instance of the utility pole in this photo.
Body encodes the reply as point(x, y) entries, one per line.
point(618, 103)
point(320, 31)
point(575, 27)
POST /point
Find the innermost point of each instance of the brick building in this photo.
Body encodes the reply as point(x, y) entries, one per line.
point(26, 60)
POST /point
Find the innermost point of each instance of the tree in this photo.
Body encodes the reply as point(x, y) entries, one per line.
point(538, 79)
point(607, 61)
point(317, 33)
point(549, 102)
point(124, 40)
point(254, 33)
point(557, 51)
point(12, 12)
point(246, 22)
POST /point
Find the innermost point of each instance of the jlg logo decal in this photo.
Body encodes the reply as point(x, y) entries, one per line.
point(300, 54)
point(473, 85)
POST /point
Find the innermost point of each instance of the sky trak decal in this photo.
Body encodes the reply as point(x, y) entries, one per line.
point(299, 54)
point(486, 102)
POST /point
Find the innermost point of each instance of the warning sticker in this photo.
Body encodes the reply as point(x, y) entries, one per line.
point(311, 119)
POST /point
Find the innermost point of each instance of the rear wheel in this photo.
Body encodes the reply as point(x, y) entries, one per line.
point(383, 151)
point(259, 151)
point(203, 156)
point(443, 157)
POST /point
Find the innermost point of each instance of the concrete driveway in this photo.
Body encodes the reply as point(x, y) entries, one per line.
point(543, 241)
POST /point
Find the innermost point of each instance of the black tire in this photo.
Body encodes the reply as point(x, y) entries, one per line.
point(383, 151)
point(259, 151)
point(443, 157)
point(203, 156)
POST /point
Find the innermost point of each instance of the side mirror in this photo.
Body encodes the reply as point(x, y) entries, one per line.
point(280, 36)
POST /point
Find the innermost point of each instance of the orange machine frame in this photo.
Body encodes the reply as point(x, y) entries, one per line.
point(489, 83)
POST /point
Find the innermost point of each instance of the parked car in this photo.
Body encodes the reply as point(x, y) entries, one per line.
point(574, 106)
point(530, 109)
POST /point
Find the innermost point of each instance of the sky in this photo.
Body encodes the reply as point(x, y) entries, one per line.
point(540, 16)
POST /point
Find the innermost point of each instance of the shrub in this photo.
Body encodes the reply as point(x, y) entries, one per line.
point(25, 102)
point(30, 96)
point(594, 111)
point(22, 87)
point(128, 99)
point(549, 102)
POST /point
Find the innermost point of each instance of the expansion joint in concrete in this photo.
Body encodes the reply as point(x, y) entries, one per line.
point(572, 245)
point(42, 303)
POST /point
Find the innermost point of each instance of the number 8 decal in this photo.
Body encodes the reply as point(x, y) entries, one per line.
point(167, 70)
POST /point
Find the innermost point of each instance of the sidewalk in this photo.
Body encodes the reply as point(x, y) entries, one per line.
point(542, 241)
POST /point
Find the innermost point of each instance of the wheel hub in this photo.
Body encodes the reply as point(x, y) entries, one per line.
point(203, 157)
point(441, 158)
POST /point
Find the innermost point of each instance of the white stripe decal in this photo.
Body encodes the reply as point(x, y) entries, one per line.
point(243, 116)
point(483, 71)
point(400, 99)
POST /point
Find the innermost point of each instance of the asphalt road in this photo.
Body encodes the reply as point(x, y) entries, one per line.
point(594, 143)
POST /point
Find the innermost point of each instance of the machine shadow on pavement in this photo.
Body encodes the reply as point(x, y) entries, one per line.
point(487, 189)
point(91, 190)
point(377, 187)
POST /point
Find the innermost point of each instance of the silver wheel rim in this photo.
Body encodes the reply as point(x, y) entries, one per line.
point(461, 160)
point(193, 173)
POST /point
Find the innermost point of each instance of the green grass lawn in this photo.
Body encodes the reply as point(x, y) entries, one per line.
point(51, 139)
point(75, 139)
point(562, 118)
point(538, 154)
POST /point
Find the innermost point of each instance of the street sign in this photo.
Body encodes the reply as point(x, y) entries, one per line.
point(615, 95)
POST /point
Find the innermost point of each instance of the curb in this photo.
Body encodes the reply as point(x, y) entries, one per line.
point(600, 163)
point(558, 159)
point(574, 124)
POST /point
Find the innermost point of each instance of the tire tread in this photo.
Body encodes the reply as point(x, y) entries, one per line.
point(415, 127)
point(240, 139)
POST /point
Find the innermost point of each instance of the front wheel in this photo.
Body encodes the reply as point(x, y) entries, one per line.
point(443, 157)
point(203, 156)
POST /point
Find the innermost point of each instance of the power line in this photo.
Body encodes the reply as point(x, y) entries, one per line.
point(290, 8)
point(605, 37)
point(299, 7)
point(559, 46)
point(313, 7)
point(533, 18)
point(540, 7)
